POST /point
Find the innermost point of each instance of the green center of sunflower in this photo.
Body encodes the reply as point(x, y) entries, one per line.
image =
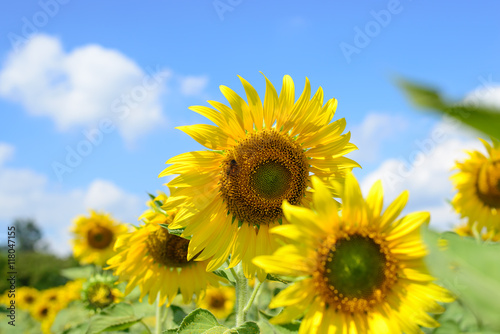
point(100, 295)
point(99, 237)
point(270, 180)
point(488, 184)
point(259, 173)
point(168, 249)
point(356, 267)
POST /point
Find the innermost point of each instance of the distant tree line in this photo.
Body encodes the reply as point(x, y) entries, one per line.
point(35, 265)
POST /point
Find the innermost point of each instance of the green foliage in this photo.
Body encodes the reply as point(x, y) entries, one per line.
point(201, 321)
point(78, 272)
point(38, 270)
point(469, 268)
point(28, 235)
point(117, 317)
point(267, 327)
point(73, 319)
point(225, 274)
point(481, 118)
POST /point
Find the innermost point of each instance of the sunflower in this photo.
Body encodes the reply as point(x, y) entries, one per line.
point(259, 155)
point(362, 271)
point(94, 237)
point(156, 261)
point(465, 230)
point(99, 292)
point(72, 290)
point(478, 185)
point(26, 297)
point(45, 312)
point(220, 301)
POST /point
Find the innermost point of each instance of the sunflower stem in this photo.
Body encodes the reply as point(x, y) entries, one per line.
point(159, 324)
point(252, 298)
point(241, 295)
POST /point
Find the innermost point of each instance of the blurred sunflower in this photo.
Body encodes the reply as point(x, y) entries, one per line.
point(156, 261)
point(259, 155)
point(220, 301)
point(45, 312)
point(478, 185)
point(72, 290)
point(54, 295)
point(99, 292)
point(466, 230)
point(94, 237)
point(26, 297)
point(363, 270)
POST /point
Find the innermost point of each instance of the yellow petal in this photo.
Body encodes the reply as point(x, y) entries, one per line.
point(208, 135)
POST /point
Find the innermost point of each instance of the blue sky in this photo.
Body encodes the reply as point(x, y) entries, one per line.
point(68, 67)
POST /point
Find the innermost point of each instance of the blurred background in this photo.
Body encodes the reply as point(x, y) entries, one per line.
point(90, 94)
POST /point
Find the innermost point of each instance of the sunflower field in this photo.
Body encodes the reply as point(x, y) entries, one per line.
point(267, 230)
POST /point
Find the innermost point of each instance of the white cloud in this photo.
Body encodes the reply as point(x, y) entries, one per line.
point(425, 173)
point(193, 85)
point(488, 96)
point(27, 194)
point(80, 87)
point(6, 152)
point(372, 132)
point(426, 170)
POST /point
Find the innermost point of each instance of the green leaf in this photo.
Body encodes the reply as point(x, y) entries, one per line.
point(199, 321)
point(222, 273)
point(74, 317)
point(216, 330)
point(178, 314)
point(77, 272)
point(469, 269)
point(276, 329)
point(276, 278)
point(116, 317)
point(78, 329)
point(484, 119)
point(177, 232)
point(248, 327)
point(171, 331)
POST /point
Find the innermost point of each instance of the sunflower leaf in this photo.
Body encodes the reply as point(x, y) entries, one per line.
point(484, 119)
point(116, 317)
point(469, 268)
point(222, 273)
point(248, 327)
point(267, 327)
point(77, 272)
point(177, 314)
point(276, 278)
point(201, 321)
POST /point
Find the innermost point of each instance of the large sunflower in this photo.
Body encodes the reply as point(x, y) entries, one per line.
point(259, 155)
point(156, 261)
point(478, 185)
point(362, 270)
point(94, 237)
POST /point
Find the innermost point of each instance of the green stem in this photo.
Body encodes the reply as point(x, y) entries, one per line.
point(158, 327)
point(241, 295)
point(145, 326)
point(252, 298)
